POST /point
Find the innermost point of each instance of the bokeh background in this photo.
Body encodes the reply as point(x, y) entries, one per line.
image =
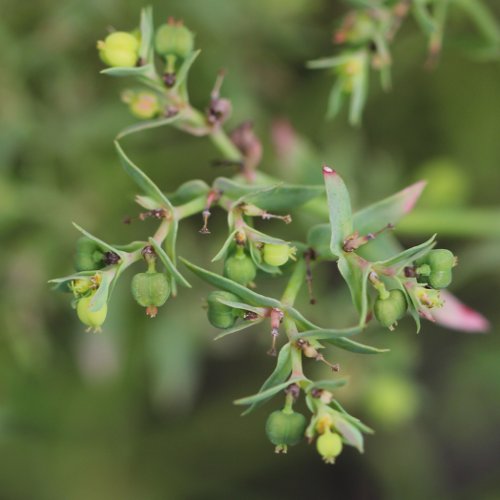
point(143, 411)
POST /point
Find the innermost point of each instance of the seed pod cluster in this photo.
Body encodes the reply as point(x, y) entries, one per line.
point(174, 39)
point(436, 267)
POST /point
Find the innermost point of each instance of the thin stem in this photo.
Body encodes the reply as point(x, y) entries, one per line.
point(192, 207)
point(295, 283)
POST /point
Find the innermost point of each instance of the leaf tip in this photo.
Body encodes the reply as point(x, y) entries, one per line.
point(328, 171)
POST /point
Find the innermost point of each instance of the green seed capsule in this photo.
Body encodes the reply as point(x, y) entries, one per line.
point(221, 315)
point(276, 255)
point(240, 268)
point(151, 290)
point(388, 311)
point(144, 105)
point(88, 255)
point(440, 260)
point(285, 428)
point(174, 39)
point(93, 319)
point(440, 279)
point(119, 49)
point(329, 446)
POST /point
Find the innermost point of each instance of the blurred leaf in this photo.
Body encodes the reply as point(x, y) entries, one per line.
point(183, 72)
point(135, 71)
point(327, 385)
point(339, 208)
point(389, 210)
point(335, 99)
point(327, 333)
point(101, 243)
point(221, 254)
point(189, 191)
point(142, 180)
point(349, 432)
point(146, 125)
point(353, 346)
point(146, 50)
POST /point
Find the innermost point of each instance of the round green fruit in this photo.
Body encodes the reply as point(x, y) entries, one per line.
point(240, 268)
point(440, 279)
point(388, 311)
point(150, 289)
point(219, 314)
point(174, 39)
point(93, 319)
point(329, 446)
point(285, 428)
point(276, 255)
point(119, 49)
point(440, 259)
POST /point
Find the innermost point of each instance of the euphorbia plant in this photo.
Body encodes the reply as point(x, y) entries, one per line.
point(385, 281)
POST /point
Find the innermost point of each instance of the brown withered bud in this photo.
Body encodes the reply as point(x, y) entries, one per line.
point(169, 79)
point(219, 108)
point(244, 138)
point(111, 258)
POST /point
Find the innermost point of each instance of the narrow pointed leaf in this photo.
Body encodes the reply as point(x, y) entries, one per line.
point(170, 266)
point(225, 248)
point(268, 393)
point(339, 209)
point(146, 125)
point(353, 346)
point(389, 210)
point(408, 256)
point(101, 297)
point(184, 69)
point(328, 333)
point(280, 374)
point(101, 243)
point(135, 71)
point(349, 432)
point(238, 328)
point(261, 311)
point(231, 286)
point(355, 271)
point(142, 180)
point(147, 31)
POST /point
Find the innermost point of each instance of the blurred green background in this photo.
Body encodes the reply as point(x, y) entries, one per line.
point(143, 411)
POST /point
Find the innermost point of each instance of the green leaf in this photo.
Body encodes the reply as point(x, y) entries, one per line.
point(221, 254)
point(406, 257)
point(353, 346)
point(183, 72)
point(328, 385)
point(262, 396)
point(280, 374)
point(389, 210)
point(327, 333)
point(170, 266)
point(355, 271)
point(349, 431)
point(101, 243)
point(244, 307)
point(135, 71)
point(189, 191)
point(335, 99)
point(319, 238)
point(339, 209)
point(231, 286)
point(170, 244)
point(147, 124)
point(239, 327)
point(142, 180)
point(328, 62)
point(262, 237)
point(272, 198)
point(482, 17)
point(101, 297)
point(147, 30)
point(60, 284)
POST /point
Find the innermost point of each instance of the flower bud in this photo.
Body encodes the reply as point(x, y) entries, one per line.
point(329, 446)
point(119, 49)
point(239, 267)
point(143, 105)
point(174, 39)
point(276, 254)
point(220, 315)
point(150, 290)
point(388, 311)
point(285, 428)
point(93, 319)
point(89, 255)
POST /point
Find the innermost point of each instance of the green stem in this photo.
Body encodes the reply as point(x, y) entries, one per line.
point(192, 207)
point(295, 283)
point(223, 143)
